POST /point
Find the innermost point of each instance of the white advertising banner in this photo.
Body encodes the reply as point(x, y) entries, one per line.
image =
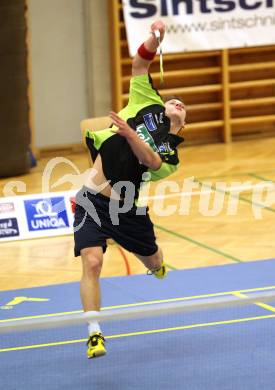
point(35, 216)
point(193, 25)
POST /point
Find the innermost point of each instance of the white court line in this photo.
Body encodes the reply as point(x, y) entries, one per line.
point(191, 193)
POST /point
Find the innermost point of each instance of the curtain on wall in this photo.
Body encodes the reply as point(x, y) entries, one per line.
point(14, 105)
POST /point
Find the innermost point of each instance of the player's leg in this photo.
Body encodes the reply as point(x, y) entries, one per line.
point(154, 263)
point(136, 234)
point(90, 243)
point(92, 259)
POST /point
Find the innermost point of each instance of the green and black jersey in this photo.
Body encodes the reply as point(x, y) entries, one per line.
point(145, 113)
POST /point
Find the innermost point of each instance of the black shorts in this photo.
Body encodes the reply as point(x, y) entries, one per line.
point(93, 225)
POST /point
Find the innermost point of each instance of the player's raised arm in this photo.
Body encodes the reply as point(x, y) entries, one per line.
point(147, 51)
point(142, 151)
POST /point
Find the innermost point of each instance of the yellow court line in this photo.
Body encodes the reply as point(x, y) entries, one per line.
point(146, 303)
point(152, 331)
point(265, 306)
point(260, 304)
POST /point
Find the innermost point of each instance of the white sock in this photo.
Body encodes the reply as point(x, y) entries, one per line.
point(93, 326)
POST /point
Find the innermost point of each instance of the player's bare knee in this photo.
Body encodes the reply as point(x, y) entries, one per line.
point(92, 263)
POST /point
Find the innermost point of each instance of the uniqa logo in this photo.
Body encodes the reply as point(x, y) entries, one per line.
point(46, 213)
point(48, 223)
point(44, 209)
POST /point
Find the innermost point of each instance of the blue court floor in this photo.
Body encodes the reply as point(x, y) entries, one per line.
point(222, 349)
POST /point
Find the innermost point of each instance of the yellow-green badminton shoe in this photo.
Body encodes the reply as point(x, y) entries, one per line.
point(96, 346)
point(159, 273)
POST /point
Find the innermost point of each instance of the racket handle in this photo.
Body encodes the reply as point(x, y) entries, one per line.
point(157, 34)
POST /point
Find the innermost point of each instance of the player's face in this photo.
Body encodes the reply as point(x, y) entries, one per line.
point(175, 110)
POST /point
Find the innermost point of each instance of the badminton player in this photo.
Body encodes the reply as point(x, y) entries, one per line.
point(141, 141)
